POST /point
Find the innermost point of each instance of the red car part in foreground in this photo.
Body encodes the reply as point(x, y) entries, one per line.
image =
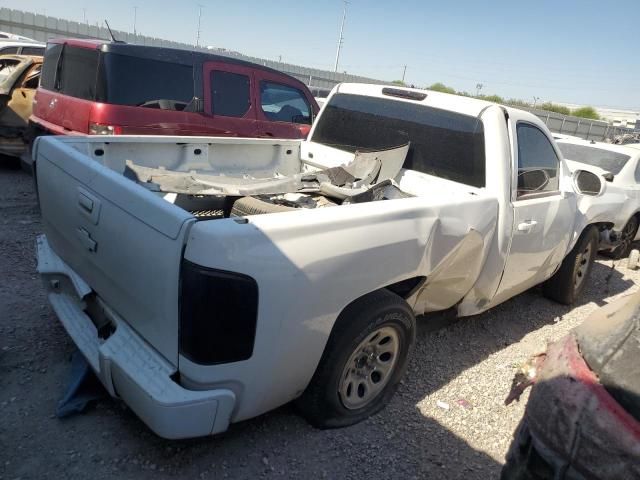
point(582, 419)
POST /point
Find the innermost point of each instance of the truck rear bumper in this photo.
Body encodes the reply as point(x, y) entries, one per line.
point(127, 366)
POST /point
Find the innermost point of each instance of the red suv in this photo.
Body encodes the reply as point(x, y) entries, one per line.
point(97, 87)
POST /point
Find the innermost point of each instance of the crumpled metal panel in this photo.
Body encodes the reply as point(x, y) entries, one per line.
point(610, 343)
point(573, 415)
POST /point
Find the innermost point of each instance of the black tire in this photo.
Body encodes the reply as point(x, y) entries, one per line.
point(627, 236)
point(523, 460)
point(322, 403)
point(569, 281)
point(253, 206)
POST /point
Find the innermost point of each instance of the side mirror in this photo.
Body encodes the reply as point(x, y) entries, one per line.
point(588, 183)
point(608, 176)
point(532, 181)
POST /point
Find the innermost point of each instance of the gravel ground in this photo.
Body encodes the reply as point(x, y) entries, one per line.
point(447, 420)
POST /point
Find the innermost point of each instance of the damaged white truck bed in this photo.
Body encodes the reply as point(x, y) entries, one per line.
point(209, 280)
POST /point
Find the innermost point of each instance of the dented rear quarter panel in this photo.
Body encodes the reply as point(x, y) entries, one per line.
point(309, 265)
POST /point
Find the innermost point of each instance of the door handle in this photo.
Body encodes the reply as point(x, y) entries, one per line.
point(86, 240)
point(88, 205)
point(527, 226)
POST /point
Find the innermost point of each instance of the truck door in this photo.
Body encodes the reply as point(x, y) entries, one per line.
point(544, 216)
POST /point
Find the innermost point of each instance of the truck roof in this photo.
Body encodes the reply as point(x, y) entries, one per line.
point(455, 103)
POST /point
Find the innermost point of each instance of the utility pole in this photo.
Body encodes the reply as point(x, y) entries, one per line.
point(84, 15)
point(404, 73)
point(135, 14)
point(341, 37)
point(199, 18)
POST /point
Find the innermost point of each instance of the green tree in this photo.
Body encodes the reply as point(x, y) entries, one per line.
point(492, 98)
point(551, 107)
point(399, 82)
point(518, 103)
point(586, 112)
point(441, 87)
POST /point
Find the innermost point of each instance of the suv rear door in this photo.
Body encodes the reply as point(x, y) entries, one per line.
point(229, 100)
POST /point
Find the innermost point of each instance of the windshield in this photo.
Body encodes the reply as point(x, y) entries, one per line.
point(7, 67)
point(607, 160)
point(443, 143)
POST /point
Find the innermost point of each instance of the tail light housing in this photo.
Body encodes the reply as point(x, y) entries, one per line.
point(218, 315)
point(304, 130)
point(100, 129)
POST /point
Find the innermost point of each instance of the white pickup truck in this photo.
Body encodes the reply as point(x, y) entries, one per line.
point(209, 280)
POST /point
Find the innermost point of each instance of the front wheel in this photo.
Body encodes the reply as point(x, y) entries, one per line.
point(364, 360)
point(569, 281)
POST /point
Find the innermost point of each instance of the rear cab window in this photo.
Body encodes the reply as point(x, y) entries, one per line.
point(444, 144)
point(283, 103)
point(538, 163)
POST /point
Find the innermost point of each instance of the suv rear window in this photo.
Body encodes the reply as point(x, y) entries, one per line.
point(120, 80)
point(143, 82)
point(443, 143)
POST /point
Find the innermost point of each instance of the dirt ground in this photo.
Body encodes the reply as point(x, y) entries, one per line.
point(447, 420)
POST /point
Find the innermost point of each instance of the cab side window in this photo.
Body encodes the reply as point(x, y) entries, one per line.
point(282, 103)
point(230, 94)
point(637, 172)
point(538, 164)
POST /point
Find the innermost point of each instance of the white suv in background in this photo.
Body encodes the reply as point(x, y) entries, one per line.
point(619, 165)
point(21, 47)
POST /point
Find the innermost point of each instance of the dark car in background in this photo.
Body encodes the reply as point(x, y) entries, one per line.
point(100, 87)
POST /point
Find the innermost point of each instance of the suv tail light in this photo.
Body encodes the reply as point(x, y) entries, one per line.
point(98, 129)
point(304, 130)
point(218, 315)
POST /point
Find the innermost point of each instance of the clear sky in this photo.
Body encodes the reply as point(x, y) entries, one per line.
point(574, 51)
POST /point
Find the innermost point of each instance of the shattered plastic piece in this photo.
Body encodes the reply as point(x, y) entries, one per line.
point(525, 377)
point(464, 404)
point(443, 405)
point(83, 388)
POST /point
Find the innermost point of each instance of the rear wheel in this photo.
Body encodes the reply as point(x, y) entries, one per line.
point(365, 358)
point(569, 281)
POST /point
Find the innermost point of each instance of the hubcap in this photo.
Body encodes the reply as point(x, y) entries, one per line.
point(583, 265)
point(369, 368)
